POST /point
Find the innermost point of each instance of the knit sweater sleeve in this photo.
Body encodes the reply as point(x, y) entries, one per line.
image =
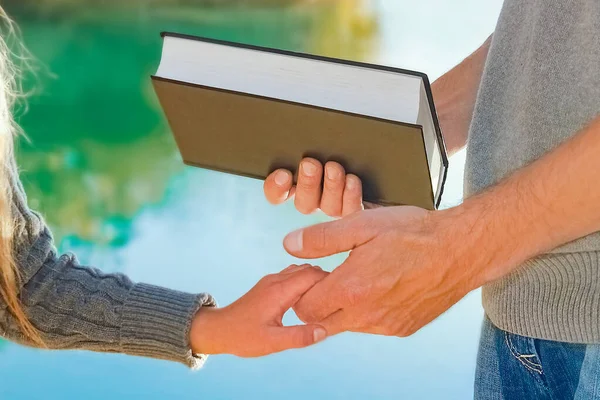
point(77, 307)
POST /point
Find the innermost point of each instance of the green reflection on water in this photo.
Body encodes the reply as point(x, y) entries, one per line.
point(100, 149)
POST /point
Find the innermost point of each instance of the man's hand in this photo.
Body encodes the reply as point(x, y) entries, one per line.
point(334, 192)
point(408, 265)
point(405, 269)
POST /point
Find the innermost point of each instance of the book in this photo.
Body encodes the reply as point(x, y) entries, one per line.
point(248, 110)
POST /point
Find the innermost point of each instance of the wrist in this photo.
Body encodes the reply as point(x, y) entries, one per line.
point(482, 247)
point(460, 238)
point(204, 331)
point(494, 232)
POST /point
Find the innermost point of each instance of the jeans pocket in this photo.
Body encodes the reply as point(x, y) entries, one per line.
point(523, 350)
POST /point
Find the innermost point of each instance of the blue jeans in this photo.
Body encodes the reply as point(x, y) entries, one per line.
point(511, 367)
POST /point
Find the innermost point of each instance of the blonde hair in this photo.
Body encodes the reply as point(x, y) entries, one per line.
point(10, 281)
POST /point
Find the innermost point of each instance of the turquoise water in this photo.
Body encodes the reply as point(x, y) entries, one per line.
point(102, 167)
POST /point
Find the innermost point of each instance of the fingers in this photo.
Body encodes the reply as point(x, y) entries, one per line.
point(294, 337)
point(327, 188)
point(330, 238)
point(316, 305)
point(278, 186)
point(334, 292)
point(352, 199)
point(289, 269)
point(298, 280)
point(308, 188)
point(294, 268)
point(334, 183)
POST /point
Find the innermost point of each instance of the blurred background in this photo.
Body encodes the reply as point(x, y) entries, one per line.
point(102, 167)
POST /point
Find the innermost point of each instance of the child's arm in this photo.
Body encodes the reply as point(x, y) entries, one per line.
point(76, 307)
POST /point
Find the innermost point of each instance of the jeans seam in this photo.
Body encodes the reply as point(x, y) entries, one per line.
point(530, 365)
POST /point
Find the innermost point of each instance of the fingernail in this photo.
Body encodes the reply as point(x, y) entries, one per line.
point(319, 334)
point(331, 172)
point(309, 168)
point(293, 241)
point(350, 182)
point(281, 178)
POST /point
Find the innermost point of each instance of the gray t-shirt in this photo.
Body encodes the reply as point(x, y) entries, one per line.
point(541, 85)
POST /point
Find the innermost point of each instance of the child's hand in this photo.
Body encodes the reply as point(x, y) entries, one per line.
point(252, 326)
point(336, 193)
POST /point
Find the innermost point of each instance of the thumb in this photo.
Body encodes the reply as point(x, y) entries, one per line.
point(294, 337)
point(330, 238)
point(338, 322)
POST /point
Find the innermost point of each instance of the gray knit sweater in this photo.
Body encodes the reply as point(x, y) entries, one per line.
point(541, 85)
point(76, 307)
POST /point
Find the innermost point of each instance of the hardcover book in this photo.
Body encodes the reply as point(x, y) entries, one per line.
point(248, 110)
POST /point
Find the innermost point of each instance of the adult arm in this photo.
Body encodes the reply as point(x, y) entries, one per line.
point(409, 265)
point(454, 94)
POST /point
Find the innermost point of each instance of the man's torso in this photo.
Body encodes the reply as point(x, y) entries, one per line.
point(541, 85)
